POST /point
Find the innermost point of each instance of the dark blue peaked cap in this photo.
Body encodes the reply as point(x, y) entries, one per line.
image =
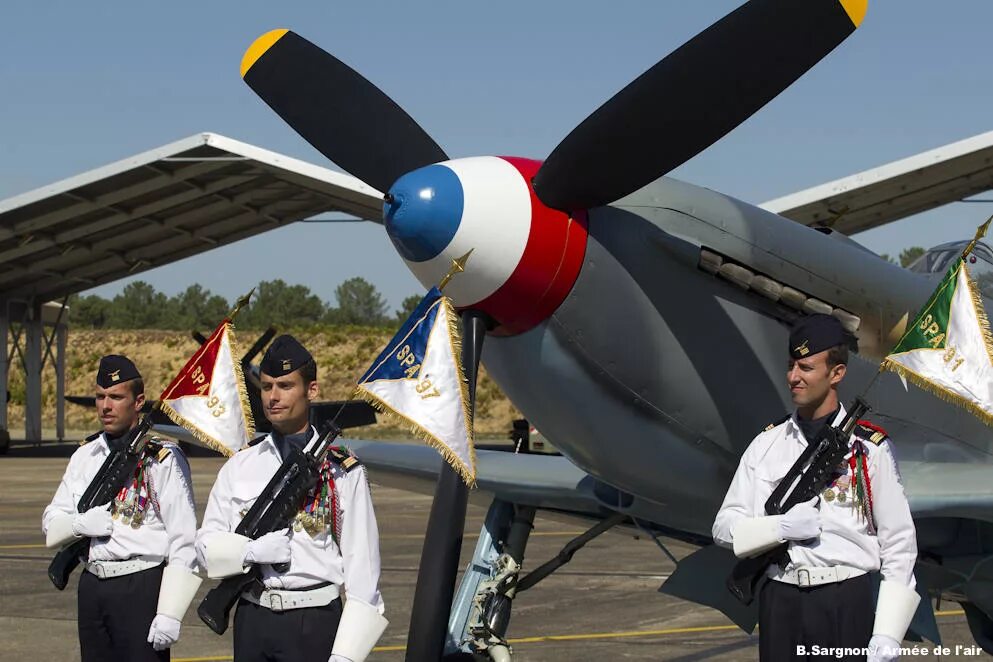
point(116, 369)
point(284, 355)
point(816, 333)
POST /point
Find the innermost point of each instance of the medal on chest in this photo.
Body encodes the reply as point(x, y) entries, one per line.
point(320, 511)
point(851, 486)
point(131, 504)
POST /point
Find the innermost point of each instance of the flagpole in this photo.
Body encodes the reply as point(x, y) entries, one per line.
point(442, 547)
point(443, 538)
point(980, 233)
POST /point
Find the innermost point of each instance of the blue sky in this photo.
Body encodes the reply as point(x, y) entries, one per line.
point(84, 84)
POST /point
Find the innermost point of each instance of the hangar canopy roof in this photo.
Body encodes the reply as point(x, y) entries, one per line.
point(896, 190)
point(157, 207)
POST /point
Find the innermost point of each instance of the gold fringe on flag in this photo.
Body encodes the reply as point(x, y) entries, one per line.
point(415, 429)
point(246, 407)
point(182, 422)
point(455, 337)
point(977, 305)
point(939, 391)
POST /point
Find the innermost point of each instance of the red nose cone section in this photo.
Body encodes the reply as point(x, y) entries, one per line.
point(525, 256)
point(548, 268)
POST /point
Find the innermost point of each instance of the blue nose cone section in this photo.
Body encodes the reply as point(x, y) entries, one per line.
point(423, 212)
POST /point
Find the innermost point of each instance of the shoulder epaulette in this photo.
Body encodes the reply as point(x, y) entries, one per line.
point(92, 437)
point(255, 442)
point(155, 448)
point(344, 458)
point(777, 423)
point(871, 431)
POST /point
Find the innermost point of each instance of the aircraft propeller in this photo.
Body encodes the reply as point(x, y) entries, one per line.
point(347, 118)
point(676, 109)
point(692, 98)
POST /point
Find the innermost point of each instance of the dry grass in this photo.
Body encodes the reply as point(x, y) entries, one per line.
point(342, 353)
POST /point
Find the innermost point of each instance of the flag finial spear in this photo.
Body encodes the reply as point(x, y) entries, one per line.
point(241, 303)
point(980, 233)
point(458, 266)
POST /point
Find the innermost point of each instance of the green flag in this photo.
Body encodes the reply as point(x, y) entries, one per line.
point(948, 349)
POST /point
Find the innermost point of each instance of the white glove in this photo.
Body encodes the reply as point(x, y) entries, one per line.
point(94, 523)
point(801, 522)
point(164, 632)
point(339, 658)
point(883, 649)
point(273, 547)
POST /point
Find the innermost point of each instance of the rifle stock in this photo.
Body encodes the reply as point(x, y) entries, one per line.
point(215, 609)
point(814, 468)
point(65, 562)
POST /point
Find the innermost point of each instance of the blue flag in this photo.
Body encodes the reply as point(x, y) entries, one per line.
point(419, 380)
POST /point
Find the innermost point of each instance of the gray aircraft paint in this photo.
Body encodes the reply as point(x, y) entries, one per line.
point(653, 376)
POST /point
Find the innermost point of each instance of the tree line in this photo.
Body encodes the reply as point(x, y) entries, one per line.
point(907, 256)
point(141, 306)
point(357, 301)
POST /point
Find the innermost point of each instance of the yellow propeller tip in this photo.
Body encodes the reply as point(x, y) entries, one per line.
point(855, 9)
point(259, 47)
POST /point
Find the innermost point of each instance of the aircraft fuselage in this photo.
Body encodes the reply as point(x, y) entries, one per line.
point(654, 374)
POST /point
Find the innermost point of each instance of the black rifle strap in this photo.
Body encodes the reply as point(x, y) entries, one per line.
point(774, 503)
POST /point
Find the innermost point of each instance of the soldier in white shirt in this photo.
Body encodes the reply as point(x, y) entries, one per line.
point(860, 524)
point(332, 548)
point(139, 577)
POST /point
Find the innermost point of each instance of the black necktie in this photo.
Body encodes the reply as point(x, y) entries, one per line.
point(285, 443)
point(115, 444)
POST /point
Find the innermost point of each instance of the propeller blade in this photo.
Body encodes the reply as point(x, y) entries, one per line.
point(347, 118)
point(261, 342)
point(692, 98)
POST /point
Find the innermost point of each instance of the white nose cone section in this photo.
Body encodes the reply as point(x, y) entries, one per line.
point(495, 224)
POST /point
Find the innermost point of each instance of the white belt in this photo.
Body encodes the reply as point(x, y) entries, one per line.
point(815, 576)
point(283, 599)
point(108, 569)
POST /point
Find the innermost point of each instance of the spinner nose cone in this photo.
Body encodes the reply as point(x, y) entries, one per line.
point(423, 210)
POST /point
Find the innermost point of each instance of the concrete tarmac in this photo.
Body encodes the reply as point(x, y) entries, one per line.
point(604, 605)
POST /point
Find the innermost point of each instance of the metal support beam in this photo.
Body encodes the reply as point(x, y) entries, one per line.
point(32, 375)
point(62, 333)
point(4, 363)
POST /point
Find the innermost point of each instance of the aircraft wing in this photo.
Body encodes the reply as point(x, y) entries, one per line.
point(893, 191)
point(948, 489)
point(543, 481)
point(934, 489)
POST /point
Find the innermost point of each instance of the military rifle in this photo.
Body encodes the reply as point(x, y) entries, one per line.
point(272, 511)
point(113, 475)
point(814, 468)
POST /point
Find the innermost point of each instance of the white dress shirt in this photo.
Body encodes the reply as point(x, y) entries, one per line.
point(845, 538)
point(314, 559)
point(168, 531)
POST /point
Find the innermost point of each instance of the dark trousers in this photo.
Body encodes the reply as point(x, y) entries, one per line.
point(838, 615)
point(114, 616)
point(295, 635)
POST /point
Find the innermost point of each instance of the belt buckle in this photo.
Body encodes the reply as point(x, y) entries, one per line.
point(100, 571)
point(275, 602)
point(803, 577)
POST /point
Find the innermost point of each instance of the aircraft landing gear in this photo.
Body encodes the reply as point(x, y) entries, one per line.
point(480, 614)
